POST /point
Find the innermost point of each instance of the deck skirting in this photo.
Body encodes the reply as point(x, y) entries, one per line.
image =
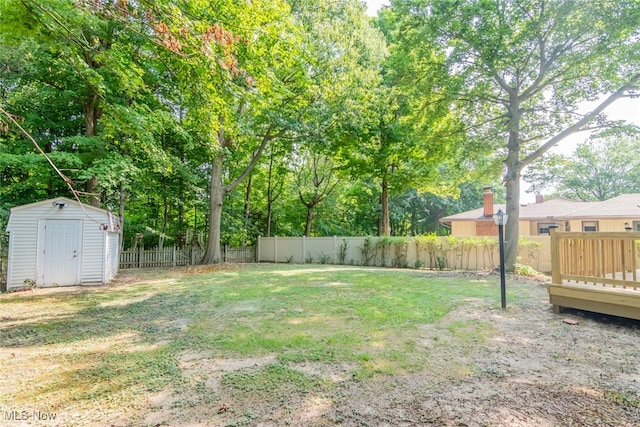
point(608, 300)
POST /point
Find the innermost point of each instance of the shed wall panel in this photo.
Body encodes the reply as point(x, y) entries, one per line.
point(112, 256)
point(93, 245)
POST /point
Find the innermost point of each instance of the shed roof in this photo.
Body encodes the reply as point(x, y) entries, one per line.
point(107, 219)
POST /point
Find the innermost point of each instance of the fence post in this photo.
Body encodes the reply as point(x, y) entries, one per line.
point(258, 250)
point(304, 249)
point(275, 249)
point(334, 249)
point(140, 252)
point(173, 256)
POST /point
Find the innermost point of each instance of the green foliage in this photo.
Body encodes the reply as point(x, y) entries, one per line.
point(368, 251)
point(272, 379)
point(532, 250)
point(383, 246)
point(525, 270)
point(489, 245)
point(435, 248)
point(597, 170)
point(400, 248)
point(295, 121)
point(324, 258)
point(516, 71)
point(342, 254)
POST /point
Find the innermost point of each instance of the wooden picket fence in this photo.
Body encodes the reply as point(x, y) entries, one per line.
point(176, 257)
point(3, 269)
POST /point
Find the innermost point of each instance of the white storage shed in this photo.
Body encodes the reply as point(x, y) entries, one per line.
point(59, 242)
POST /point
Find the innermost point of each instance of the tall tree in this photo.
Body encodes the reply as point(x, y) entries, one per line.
point(315, 180)
point(597, 170)
point(522, 68)
point(410, 134)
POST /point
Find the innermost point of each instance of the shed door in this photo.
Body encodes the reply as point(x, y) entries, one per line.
point(61, 252)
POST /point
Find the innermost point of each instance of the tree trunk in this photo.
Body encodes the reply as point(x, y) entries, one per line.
point(309, 220)
point(512, 183)
point(165, 219)
point(512, 229)
point(269, 210)
point(269, 194)
point(212, 254)
point(217, 190)
point(247, 210)
point(123, 198)
point(385, 226)
point(91, 115)
point(90, 187)
point(181, 233)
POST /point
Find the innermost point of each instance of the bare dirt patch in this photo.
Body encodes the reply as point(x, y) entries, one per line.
point(483, 367)
point(535, 370)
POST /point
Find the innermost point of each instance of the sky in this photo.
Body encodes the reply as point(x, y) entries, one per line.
point(374, 5)
point(623, 109)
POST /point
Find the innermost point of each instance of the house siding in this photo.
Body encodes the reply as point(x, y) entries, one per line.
point(26, 241)
point(463, 228)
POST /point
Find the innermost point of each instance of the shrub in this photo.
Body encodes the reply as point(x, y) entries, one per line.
point(342, 254)
point(367, 251)
point(324, 258)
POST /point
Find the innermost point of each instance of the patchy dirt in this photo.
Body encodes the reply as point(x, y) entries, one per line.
point(484, 367)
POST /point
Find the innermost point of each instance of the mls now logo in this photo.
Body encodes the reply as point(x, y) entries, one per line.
point(26, 416)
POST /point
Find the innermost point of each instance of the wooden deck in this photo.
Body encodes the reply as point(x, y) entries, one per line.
point(596, 272)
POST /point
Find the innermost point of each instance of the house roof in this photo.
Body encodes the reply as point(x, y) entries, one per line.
point(623, 206)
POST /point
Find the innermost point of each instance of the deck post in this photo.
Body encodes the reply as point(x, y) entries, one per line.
point(555, 257)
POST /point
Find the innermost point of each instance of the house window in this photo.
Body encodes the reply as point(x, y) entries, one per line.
point(589, 225)
point(543, 227)
point(636, 225)
point(567, 226)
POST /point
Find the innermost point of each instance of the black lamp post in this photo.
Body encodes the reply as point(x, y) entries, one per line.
point(501, 219)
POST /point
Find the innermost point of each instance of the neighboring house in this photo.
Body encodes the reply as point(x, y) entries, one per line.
point(59, 242)
point(618, 214)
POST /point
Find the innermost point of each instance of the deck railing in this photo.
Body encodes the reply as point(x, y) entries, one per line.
point(598, 258)
point(175, 257)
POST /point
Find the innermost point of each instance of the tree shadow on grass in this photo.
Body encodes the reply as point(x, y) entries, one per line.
point(149, 317)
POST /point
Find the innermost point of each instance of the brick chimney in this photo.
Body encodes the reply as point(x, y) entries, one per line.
point(539, 198)
point(487, 197)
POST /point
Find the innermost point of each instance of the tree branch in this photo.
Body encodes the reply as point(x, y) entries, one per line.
point(580, 123)
point(268, 136)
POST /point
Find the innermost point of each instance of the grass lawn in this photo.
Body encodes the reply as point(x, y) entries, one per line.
point(112, 355)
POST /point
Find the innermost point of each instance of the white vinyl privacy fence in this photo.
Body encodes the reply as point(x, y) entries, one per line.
point(435, 252)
